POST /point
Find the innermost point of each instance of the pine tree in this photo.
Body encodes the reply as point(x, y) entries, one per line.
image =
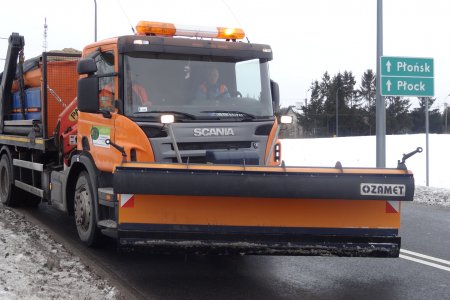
point(331, 90)
point(313, 113)
point(349, 90)
point(398, 119)
point(319, 116)
point(367, 95)
point(418, 117)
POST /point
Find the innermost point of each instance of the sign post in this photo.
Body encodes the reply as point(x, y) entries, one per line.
point(409, 76)
point(380, 103)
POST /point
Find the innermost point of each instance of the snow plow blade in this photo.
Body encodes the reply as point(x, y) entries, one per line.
point(261, 210)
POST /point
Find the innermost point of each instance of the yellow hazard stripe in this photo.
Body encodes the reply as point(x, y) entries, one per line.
point(20, 139)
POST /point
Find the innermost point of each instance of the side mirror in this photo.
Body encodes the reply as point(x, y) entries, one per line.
point(275, 90)
point(86, 66)
point(88, 94)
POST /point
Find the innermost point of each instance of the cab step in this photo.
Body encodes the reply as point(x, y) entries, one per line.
point(108, 228)
point(110, 224)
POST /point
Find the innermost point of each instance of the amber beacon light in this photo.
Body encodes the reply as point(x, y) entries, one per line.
point(170, 30)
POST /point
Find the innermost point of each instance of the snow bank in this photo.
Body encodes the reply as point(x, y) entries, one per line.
point(361, 152)
point(33, 266)
point(432, 196)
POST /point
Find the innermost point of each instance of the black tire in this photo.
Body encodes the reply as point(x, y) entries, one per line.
point(8, 192)
point(84, 211)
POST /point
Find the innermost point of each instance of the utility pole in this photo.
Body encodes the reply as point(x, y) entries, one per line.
point(446, 109)
point(45, 44)
point(427, 141)
point(337, 109)
point(95, 3)
point(380, 105)
point(306, 96)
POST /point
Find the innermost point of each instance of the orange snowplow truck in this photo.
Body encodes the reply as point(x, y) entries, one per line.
point(172, 144)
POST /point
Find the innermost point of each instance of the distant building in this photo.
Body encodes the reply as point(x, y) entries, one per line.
point(293, 130)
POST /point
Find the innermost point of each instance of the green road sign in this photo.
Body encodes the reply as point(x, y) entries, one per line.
point(407, 76)
point(407, 86)
point(407, 66)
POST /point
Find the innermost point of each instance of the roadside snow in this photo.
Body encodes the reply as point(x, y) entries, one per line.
point(34, 266)
point(360, 152)
point(432, 196)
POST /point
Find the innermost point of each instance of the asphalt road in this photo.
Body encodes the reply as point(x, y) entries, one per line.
point(425, 230)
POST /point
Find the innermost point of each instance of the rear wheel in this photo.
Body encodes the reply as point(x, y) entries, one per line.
point(84, 211)
point(8, 192)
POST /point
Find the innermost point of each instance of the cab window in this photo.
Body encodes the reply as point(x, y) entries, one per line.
point(105, 65)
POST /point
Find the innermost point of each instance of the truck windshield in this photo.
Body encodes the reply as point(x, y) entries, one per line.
point(196, 87)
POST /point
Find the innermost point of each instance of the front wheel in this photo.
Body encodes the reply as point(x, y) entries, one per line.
point(84, 211)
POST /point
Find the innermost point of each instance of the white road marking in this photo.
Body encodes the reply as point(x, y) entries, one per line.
point(442, 261)
point(424, 262)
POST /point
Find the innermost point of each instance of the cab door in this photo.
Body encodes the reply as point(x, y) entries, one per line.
point(94, 129)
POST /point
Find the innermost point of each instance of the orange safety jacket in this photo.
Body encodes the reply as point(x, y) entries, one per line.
point(141, 92)
point(220, 90)
point(106, 95)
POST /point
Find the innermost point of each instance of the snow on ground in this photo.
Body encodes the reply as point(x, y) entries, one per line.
point(34, 266)
point(432, 196)
point(361, 152)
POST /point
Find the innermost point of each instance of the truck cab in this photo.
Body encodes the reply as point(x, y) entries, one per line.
point(144, 77)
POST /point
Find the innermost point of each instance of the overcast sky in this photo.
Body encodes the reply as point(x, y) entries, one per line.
point(307, 37)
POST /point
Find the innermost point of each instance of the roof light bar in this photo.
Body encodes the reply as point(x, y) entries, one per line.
point(170, 30)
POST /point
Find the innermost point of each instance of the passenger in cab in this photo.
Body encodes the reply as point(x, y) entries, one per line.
point(211, 88)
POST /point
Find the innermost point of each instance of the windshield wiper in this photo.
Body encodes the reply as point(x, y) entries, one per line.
point(231, 114)
point(179, 113)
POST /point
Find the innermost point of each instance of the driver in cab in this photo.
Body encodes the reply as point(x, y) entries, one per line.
point(211, 88)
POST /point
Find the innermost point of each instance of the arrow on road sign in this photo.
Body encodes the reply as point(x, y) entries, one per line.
point(388, 65)
point(388, 84)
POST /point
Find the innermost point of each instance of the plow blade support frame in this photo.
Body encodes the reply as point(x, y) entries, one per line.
point(289, 184)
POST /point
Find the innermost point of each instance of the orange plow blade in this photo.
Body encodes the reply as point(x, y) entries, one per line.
point(261, 210)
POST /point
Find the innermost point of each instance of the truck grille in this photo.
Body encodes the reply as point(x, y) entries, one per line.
point(213, 146)
point(201, 159)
